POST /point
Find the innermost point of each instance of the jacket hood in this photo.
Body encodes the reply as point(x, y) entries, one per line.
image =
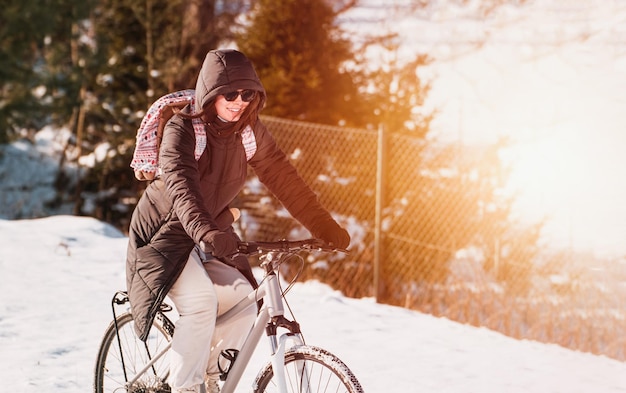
point(225, 70)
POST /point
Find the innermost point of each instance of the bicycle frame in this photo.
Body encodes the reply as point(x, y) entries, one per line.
point(269, 318)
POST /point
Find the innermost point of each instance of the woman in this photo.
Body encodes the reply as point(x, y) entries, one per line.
point(181, 227)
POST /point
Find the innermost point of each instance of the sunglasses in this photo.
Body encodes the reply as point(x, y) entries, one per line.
point(246, 95)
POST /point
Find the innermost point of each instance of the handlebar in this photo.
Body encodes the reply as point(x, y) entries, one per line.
point(253, 248)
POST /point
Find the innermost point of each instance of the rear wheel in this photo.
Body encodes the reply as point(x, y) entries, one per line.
point(312, 370)
point(120, 360)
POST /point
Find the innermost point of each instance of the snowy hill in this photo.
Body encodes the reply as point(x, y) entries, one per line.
point(58, 275)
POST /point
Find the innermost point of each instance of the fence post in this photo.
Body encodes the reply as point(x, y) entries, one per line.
point(380, 203)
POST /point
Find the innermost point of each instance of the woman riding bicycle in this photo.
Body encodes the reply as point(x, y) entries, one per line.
point(180, 233)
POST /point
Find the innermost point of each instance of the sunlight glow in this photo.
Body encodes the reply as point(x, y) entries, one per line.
point(548, 170)
point(565, 133)
point(569, 175)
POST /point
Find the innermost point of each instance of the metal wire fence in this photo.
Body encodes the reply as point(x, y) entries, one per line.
point(432, 231)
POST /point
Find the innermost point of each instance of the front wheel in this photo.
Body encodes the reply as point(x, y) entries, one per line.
point(310, 369)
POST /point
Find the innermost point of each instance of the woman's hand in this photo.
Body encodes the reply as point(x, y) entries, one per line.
point(332, 233)
point(220, 243)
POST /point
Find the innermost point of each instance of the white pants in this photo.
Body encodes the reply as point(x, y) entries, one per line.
point(202, 292)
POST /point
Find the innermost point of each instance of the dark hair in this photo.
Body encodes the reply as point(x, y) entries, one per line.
point(249, 116)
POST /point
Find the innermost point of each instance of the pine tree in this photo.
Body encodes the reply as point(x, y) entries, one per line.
point(300, 54)
point(38, 73)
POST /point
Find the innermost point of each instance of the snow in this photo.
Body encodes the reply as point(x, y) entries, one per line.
point(28, 171)
point(59, 273)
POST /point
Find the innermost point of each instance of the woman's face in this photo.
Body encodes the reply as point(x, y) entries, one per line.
point(232, 110)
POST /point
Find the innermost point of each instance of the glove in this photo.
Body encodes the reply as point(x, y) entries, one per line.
point(332, 233)
point(219, 243)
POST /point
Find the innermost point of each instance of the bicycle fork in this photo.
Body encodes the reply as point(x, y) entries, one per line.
point(278, 357)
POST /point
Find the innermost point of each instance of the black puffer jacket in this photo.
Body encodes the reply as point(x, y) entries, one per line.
point(192, 197)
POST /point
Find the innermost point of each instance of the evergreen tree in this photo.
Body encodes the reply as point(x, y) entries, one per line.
point(300, 55)
point(396, 95)
point(144, 50)
point(38, 68)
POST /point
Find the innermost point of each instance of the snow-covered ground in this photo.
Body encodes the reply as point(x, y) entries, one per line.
point(563, 104)
point(58, 274)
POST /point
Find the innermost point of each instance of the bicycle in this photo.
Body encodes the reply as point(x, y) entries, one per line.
point(127, 364)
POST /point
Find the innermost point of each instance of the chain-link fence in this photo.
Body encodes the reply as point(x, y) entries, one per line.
point(432, 231)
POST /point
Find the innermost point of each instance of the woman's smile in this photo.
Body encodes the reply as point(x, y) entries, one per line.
point(230, 110)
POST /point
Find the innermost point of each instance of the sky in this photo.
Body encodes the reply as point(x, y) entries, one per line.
point(58, 275)
point(550, 76)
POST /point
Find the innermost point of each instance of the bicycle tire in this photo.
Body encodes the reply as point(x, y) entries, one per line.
point(324, 372)
point(109, 372)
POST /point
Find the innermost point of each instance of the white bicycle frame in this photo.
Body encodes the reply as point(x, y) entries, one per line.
point(272, 311)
